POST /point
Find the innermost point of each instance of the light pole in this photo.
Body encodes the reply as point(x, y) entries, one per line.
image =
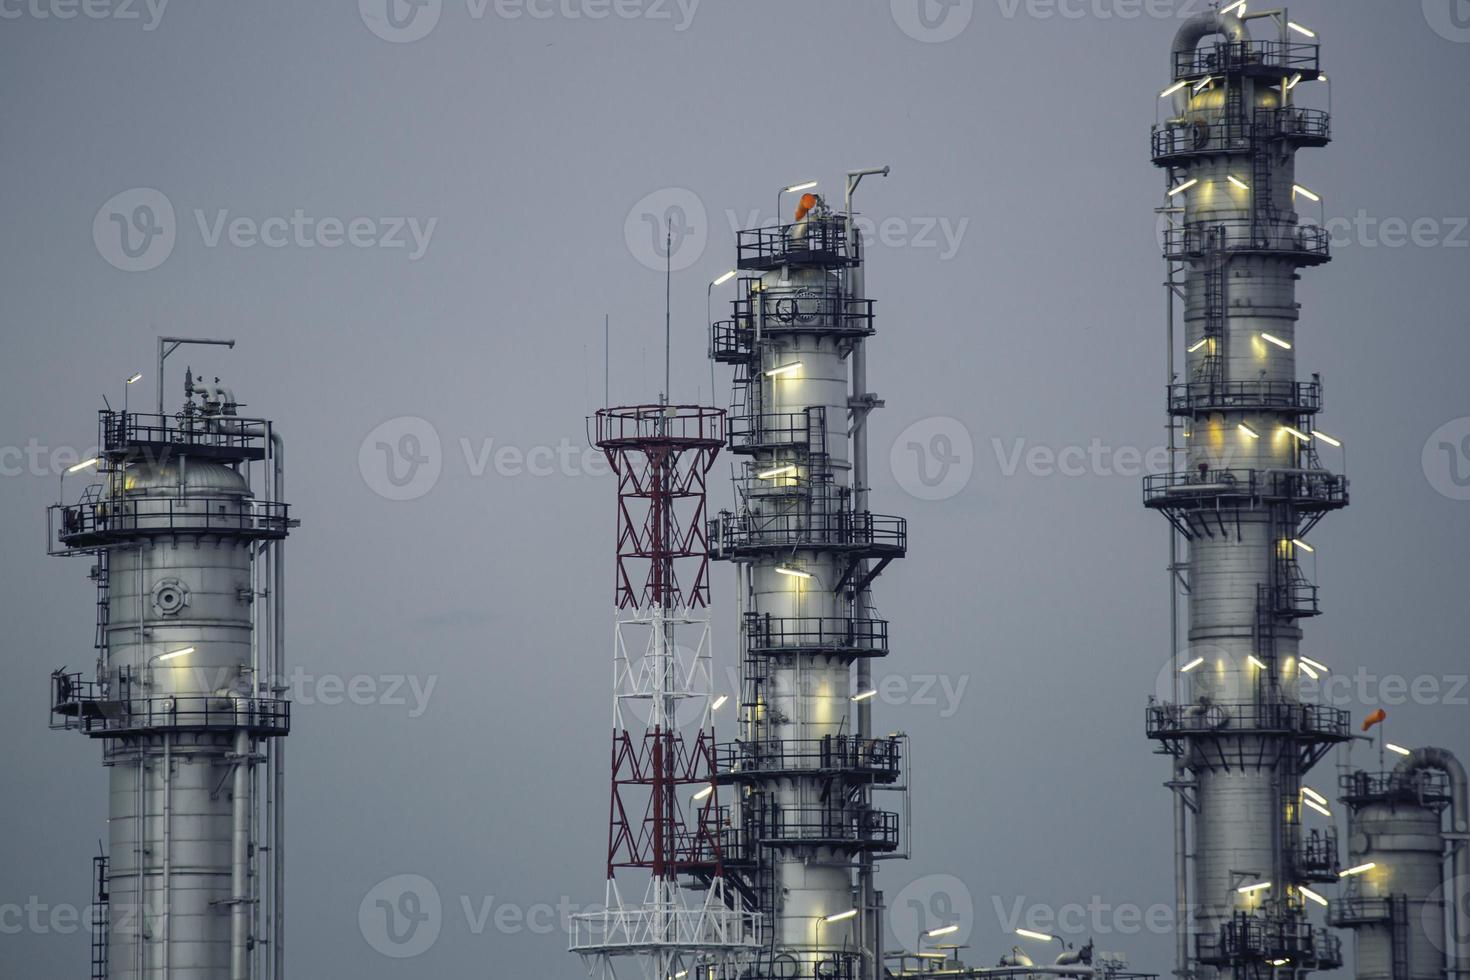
point(128, 386)
point(792, 189)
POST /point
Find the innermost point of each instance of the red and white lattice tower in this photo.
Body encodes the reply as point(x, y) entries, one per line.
point(665, 817)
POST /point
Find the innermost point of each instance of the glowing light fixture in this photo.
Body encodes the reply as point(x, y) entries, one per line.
point(1271, 338)
point(1281, 962)
point(1172, 89)
point(804, 186)
point(1319, 666)
point(1397, 748)
point(838, 917)
point(1318, 807)
point(865, 695)
point(174, 653)
point(784, 369)
point(719, 702)
point(704, 793)
point(793, 572)
point(1259, 886)
point(1238, 5)
point(778, 471)
point(1309, 195)
point(1360, 869)
point(1203, 84)
point(1313, 794)
point(1248, 431)
point(1298, 433)
point(1198, 344)
point(82, 465)
point(1038, 936)
point(1256, 662)
point(725, 278)
point(1303, 545)
point(136, 377)
point(1191, 665)
point(942, 931)
point(1308, 893)
point(1300, 29)
point(1309, 670)
point(1238, 182)
point(1326, 438)
point(1184, 187)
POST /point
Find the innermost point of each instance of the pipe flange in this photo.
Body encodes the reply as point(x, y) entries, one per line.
point(170, 597)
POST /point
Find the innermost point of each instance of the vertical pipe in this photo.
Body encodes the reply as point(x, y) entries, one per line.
point(167, 848)
point(239, 859)
point(278, 749)
point(1181, 812)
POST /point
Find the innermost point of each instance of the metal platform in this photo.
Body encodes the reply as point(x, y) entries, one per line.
point(1191, 490)
point(101, 717)
point(863, 535)
point(154, 437)
point(835, 636)
point(815, 243)
point(1304, 244)
point(107, 521)
point(1256, 59)
point(1193, 398)
point(835, 756)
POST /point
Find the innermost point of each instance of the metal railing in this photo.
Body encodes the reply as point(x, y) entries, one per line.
point(1255, 57)
point(875, 830)
point(1316, 857)
point(1425, 787)
point(111, 519)
point(1246, 937)
point(1220, 131)
point(863, 533)
point(868, 757)
point(94, 715)
point(805, 430)
point(1207, 719)
point(225, 436)
point(1197, 238)
point(685, 425)
point(775, 634)
point(797, 965)
point(1302, 397)
point(1306, 490)
point(1349, 911)
point(818, 242)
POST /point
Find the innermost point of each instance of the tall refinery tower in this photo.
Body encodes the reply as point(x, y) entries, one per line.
point(804, 830)
point(1246, 488)
point(184, 524)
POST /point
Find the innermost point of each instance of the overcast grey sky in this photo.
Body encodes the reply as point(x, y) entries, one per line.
point(503, 164)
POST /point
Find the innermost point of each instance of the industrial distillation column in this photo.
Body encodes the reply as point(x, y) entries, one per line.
point(1246, 492)
point(185, 526)
point(804, 768)
point(1406, 874)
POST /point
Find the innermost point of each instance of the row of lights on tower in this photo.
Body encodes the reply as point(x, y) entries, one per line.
point(1297, 190)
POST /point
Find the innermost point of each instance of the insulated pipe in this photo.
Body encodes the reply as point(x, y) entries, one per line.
point(1444, 761)
point(1194, 30)
point(240, 859)
point(278, 749)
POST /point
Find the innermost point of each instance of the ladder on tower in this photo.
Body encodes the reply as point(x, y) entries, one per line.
point(100, 912)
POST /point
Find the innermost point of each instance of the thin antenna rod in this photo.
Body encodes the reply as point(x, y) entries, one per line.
point(668, 301)
point(606, 363)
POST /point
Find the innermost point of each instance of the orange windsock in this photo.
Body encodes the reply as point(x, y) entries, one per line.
point(808, 201)
point(1375, 718)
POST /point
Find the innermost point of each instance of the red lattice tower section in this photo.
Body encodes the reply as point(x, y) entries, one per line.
point(662, 455)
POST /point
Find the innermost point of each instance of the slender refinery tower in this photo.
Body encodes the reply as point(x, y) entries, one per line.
point(1246, 487)
point(804, 830)
point(185, 527)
